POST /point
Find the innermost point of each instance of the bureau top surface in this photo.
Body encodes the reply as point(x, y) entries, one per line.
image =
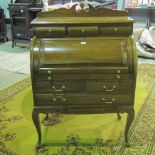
point(79, 20)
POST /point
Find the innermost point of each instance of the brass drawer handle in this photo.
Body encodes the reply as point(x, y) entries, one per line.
point(118, 77)
point(49, 72)
point(108, 102)
point(57, 97)
point(49, 30)
point(118, 71)
point(49, 78)
point(83, 30)
point(59, 90)
point(115, 29)
point(109, 90)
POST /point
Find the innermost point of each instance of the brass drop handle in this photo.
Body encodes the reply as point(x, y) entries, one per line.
point(59, 90)
point(108, 102)
point(49, 72)
point(49, 78)
point(115, 29)
point(59, 96)
point(109, 90)
point(118, 77)
point(49, 30)
point(83, 30)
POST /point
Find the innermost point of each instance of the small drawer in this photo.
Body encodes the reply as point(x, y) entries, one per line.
point(116, 30)
point(57, 87)
point(50, 32)
point(83, 31)
point(110, 87)
point(17, 10)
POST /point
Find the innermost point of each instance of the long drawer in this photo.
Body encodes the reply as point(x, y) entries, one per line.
point(104, 77)
point(84, 99)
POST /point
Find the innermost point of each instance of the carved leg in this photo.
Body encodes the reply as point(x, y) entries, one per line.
point(119, 116)
point(35, 117)
point(46, 119)
point(130, 118)
point(13, 43)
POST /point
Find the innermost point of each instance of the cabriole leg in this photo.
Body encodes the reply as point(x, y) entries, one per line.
point(35, 117)
point(130, 118)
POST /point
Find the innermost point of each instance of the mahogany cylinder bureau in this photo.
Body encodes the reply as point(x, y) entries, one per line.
point(83, 63)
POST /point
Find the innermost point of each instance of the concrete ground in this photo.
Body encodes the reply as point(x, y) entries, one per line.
point(14, 64)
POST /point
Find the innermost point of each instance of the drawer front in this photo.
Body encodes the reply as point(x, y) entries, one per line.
point(110, 87)
point(23, 33)
point(83, 31)
point(57, 87)
point(84, 99)
point(88, 51)
point(116, 30)
point(95, 77)
point(50, 32)
point(18, 10)
point(83, 70)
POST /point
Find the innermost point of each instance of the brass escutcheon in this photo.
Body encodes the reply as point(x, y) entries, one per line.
point(49, 72)
point(49, 78)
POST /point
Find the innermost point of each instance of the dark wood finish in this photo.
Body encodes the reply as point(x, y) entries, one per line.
point(21, 15)
point(83, 63)
point(3, 36)
point(35, 3)
point(130, 117)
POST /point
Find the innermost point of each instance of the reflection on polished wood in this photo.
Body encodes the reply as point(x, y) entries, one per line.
point(83, 63)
